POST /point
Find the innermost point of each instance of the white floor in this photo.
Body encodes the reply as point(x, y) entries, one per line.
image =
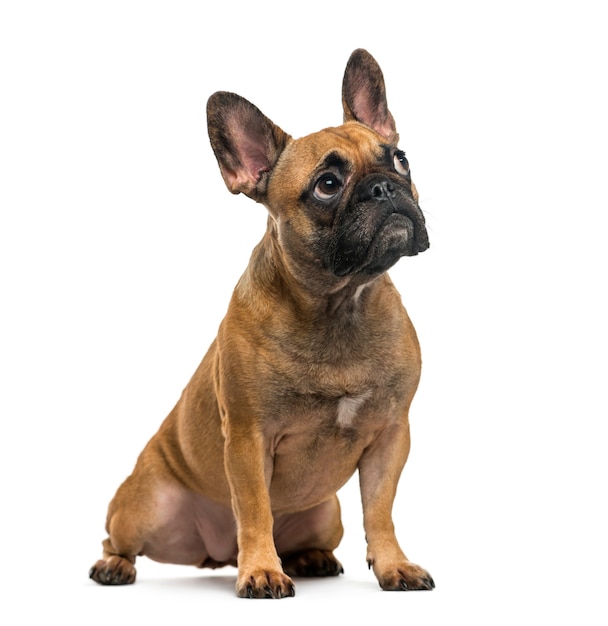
point(471, 591)
point(488, 569)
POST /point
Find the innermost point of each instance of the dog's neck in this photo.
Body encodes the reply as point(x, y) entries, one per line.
point(312, 295)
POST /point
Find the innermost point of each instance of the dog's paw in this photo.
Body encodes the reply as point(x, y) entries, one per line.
point(405, 577)
point(312, 563)
point(264, 584)
point(115, 570)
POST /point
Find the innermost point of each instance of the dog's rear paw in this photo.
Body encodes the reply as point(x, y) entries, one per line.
point(264, 584)
point(312, 563)
point(406, 577)
point(115, 570)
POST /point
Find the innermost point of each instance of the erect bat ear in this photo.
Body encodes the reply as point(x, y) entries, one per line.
point(245, 142)
point(364, 95)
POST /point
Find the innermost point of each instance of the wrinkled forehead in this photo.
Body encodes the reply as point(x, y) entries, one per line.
point(351, 143)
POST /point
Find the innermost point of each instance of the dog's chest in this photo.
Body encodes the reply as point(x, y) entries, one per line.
point(347, 409)
point(352, 402)
point(317, 446)
point(351, 394)
point(316, 425)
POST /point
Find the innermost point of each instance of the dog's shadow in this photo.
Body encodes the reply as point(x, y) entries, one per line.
point(224, 584)
point(215, 584)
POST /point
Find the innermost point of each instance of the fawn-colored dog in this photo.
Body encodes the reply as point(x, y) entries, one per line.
point(312, 372)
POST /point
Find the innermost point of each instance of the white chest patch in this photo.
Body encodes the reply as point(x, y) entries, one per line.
point(347, 409)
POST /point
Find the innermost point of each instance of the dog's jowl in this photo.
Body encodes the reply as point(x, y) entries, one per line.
point(311, 375)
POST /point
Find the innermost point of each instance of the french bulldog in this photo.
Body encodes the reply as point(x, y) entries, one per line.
point(312, 372)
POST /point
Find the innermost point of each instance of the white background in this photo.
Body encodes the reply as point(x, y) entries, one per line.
point(120, 246)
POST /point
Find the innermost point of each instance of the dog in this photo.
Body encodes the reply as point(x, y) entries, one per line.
point(312, 372)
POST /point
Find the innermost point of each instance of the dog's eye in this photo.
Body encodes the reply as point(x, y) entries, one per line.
point(400, 163)
point(327, 186)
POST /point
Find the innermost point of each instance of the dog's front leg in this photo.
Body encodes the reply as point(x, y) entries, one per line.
point(260, 574)
point(379, 471)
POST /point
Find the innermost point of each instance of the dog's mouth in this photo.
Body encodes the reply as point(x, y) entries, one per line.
point(398, 235)
point(401, 232)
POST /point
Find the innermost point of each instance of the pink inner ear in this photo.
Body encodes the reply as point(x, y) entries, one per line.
point(254, 160)
point(362, 110)
point(380, 121)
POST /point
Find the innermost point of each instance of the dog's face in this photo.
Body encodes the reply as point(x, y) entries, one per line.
point(341, 200)
point(344, 197)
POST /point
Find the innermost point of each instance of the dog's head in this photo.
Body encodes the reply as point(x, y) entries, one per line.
point(342, 199)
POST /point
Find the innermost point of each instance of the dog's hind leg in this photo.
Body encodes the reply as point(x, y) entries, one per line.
point(306, 541)
point(133, 517)
point(113, 569)
point(312, 562)
point(120, 548)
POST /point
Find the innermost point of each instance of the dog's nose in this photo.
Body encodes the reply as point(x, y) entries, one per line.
point(375, 187)
point(378, 188)
point(381, 189)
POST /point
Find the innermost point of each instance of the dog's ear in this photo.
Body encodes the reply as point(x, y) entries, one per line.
point(245, 142)
point(364, 95)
